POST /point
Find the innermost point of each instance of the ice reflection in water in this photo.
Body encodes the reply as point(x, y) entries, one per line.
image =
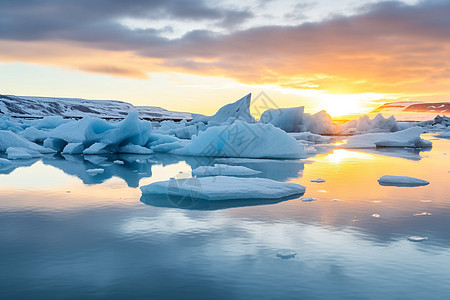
point(100, 241)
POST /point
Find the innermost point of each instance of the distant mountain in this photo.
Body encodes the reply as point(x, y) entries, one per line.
point(414, 110)
point(38, 107)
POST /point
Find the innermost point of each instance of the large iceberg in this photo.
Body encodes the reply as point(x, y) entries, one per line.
point(224, 188)
point(97, 136)
point(405, 138)
point(239, 110)
point(241, 139)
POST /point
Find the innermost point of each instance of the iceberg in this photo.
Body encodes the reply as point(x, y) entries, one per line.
point(21, 153)
point(5, 162)
point(392, 180)
point(287, 119)
point(377, 124)
point(224, 188)
point(308, 199)
point(224, 170)
point(405, 138)
point(309, 137)
point(239, 110)
point(320, 123)
point(9, 139)
point(34, 135)
point(241, 139)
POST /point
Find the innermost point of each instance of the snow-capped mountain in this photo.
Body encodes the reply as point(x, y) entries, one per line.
point(36, 107)
point(414, 110)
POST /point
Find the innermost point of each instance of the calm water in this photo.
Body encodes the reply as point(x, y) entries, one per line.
point(68, 234)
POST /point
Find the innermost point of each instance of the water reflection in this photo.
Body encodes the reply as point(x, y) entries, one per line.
point(201, 204)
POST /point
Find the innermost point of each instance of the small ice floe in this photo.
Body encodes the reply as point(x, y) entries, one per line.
point(401, 181)
point(119, 162)
point(68, 191)
point(417, 238)
point(335, 200)
point(95, 171)
point(308, 199)
point(376, 215)
point(426, 201)
point(318, 180)
point(423, 214)
point(322, 191)
point(286, 253)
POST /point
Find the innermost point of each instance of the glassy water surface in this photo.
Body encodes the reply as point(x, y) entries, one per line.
point(69, 233)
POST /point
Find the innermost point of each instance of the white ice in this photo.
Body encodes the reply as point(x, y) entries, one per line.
point(404, 138)
point(224, 188)
point(417, 238)
point(392, 180)
point(224, 170)
point(241, 139)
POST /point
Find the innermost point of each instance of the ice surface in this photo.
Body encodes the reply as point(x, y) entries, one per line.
point(286, 253)
point(288, 119)
point(392, 180)
point(21, 153)
point(224, 188)
point(5, 162)
point(320, 123)
point(119, 162)
point(405, 138)
point(241, 139)
point(224, 170)
point(97, 148)
point(73, 148)
point(134, 149)
point(34, 135)
point(310, 137)
point(239, 110)
point(10, 139)
point(318, 180)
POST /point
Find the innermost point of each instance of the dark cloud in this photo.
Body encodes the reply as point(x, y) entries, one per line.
point(388, 45)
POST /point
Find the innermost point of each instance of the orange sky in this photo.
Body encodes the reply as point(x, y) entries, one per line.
point(198, 57)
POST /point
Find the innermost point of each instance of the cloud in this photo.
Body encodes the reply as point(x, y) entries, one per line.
point(388, 47)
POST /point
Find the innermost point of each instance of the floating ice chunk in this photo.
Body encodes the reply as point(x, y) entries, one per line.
point(10, 139)
point(308, 199)
point(48, 122)
point(423, 214)
point(286, 253)
point(417, 238)
point(34, 135)
point(73, 148)
point(335, 200)
point(4, 162)
point(375, 216)
point(55, 144)
point(320, 123)
point(224, 188)
point(134, 149)
point(21, 153)
point(241, 139)
point(239, 110)
point(224, 170)
point(119, 162)
point(392, 180)
point(318, 180)
point(95, 171)
point(405, 138)
point(96, 148)
point(288, 119)
point(310, 137)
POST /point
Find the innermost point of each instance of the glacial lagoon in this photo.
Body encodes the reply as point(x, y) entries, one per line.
point(76, 234)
